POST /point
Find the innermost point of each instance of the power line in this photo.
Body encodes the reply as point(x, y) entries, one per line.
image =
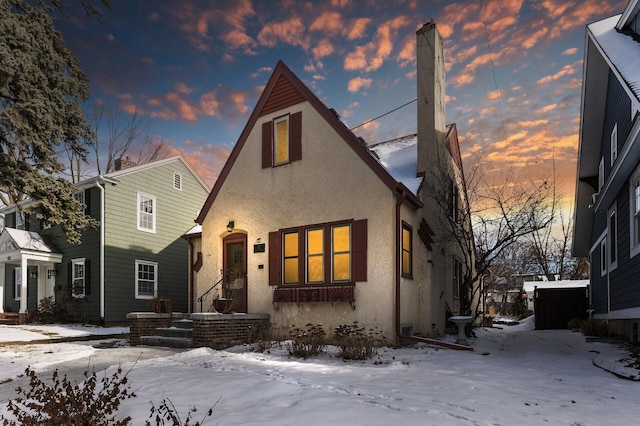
point(386, 113)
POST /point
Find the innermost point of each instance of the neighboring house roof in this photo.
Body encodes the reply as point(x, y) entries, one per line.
point(147, 166)
point(195, 231)
point(26, 240)
point(284, 80)
point(620, 50)
point(610, 47)
point(530, 286)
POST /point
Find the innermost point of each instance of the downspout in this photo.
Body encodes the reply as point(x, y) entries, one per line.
point(402, 195)
point(101, 188)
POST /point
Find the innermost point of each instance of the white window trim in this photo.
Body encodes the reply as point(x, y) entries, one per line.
point(153, 214)
point(601, 174)
point(634, 247)
point(17, 279)
point(612, 234)
point(74, 262)
point(614, 143)
point(155, 281)
point(177, 181)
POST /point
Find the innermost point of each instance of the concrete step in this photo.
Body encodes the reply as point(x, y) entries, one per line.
point(183, 323)
point(167, 342)
point(174, 332)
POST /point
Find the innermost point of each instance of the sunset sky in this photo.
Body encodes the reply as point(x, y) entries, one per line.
point(197, 68)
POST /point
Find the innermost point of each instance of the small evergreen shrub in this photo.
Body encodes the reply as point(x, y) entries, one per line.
point(355, 343)
point(48, 312)
point(307, 342)
point(93, 402)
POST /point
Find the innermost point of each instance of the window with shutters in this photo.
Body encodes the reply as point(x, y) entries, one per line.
point(407, 251)
point(146, 279)
point(323, 254)
point(17, 282)
point(282, 140)
point(612, 232)
point(78, 278)
point(634, 212)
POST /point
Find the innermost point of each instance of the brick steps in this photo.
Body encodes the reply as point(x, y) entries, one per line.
point(179, 335)
point(10, 318)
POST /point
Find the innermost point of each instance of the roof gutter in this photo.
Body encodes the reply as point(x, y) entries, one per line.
point(402, 195)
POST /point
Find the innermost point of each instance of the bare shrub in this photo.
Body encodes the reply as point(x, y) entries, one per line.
point(355, 343)
point(307, 342)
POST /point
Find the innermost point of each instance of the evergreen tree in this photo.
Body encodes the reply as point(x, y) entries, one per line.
point(41, 88)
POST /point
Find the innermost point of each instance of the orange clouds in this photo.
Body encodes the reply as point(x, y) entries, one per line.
point(372, 55)
point(178, 105)
point(565, 71)
point(358, 83)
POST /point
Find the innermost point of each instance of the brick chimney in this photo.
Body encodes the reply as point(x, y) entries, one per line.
point(432, 127)
point(123, 163)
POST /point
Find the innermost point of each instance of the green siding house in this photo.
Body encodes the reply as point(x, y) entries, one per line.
point(136, 253)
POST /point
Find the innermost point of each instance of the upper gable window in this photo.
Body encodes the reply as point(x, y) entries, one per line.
point(177, 181)
point(146, 213)
point(282, 140)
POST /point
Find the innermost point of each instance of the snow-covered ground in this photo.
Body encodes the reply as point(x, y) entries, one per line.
point(515, 375)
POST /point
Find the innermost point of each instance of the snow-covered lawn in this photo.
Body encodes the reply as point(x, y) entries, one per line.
point(515, 375)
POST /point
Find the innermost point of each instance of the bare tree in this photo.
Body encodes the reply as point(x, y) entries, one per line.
point(493, 213)
point(116, 134)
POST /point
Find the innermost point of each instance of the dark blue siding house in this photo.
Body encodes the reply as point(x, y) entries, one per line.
point(607, 199)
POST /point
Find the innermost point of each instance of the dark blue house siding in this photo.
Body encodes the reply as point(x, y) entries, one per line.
point(598, 284)
point(618, 110)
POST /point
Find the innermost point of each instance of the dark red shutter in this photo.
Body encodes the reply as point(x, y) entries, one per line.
point(295, 136)
point(275, 258)
point(359, 261)
point(267, 145)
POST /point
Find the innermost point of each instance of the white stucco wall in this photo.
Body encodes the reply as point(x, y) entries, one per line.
point(330, 183)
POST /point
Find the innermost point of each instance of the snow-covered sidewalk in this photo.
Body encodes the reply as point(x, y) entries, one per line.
point(515, 375)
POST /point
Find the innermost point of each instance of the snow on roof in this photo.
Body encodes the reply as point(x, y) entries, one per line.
point(620, 49)
point(529, 286)
point(197, 229)
point(400, 158)
point(28, 240)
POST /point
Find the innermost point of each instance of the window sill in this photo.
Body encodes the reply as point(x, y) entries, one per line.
point(316, 294)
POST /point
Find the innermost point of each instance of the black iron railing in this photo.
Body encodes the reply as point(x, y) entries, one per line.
point(205, 295)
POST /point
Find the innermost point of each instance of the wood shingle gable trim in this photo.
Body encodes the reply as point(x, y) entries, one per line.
point(283, 90)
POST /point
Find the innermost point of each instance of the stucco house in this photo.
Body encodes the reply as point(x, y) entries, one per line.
point(310, 225)
point(136, 253)
point(607, 198)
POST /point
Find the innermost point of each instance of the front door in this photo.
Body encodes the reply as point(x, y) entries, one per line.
point(235, 271)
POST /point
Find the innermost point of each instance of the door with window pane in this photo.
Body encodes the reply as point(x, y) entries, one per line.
point(235, 271)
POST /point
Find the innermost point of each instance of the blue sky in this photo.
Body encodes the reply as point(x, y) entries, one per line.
point(197, 68)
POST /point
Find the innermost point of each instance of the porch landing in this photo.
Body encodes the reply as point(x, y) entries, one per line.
point(208, 329)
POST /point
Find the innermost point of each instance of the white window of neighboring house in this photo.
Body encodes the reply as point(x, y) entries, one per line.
point(78, 278)
point(17, 280)
point(634, 212)
point(612, 232)
point(146, 213)
point(601, 174)
point(614, 143)
point(177, 181)
point(146, 279)
point(20, 220)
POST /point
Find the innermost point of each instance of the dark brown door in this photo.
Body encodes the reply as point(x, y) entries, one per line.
point(235, 271)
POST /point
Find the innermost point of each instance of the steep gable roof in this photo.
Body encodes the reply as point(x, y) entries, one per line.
point(25, 240)
point(285, 89)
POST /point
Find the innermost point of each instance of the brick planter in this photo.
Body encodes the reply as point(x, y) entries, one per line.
point(144, 324)
point(220, 331)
